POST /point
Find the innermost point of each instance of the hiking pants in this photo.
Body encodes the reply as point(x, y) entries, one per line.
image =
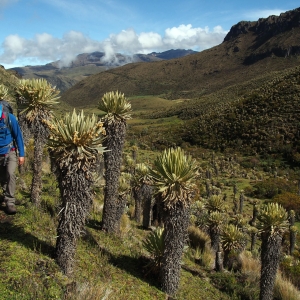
point(8, 178)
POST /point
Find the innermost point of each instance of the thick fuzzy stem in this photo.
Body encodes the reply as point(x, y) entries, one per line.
point(176, 224)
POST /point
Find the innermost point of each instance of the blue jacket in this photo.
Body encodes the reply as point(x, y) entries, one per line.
point(14, 135)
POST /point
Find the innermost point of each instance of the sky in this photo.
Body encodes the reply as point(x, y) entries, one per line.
point(36, 32)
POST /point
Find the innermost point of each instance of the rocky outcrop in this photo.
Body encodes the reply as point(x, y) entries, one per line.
point(266, 34)
point(266, 27)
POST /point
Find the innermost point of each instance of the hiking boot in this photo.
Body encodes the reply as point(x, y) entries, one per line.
point(10, 209)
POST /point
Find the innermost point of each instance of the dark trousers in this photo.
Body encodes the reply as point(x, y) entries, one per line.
point(8, 178)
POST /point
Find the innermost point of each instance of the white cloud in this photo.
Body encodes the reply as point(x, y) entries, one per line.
point(150, 40)
point(45, 48)
point(185, 36)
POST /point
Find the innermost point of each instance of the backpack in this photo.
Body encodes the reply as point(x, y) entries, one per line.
point(5, 110)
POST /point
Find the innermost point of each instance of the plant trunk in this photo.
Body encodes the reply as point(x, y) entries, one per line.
point(36, 185)
point(121, 204)
point(24, 126)
point(76, 204)
point(138, 199)
point(254, 216)
point(270, 257)
point(214, 234)
point(219, 262)
point(114, 142)
point(175, 235)
point(235, 206)
point(157, 214)
point(147, 194)
point(253, 241)
point(226, 259)
point(292, 241)
point(292, 232)
point(242, 198)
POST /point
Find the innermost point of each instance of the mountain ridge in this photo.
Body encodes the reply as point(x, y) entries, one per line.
point(86, 64)
point(239, 58)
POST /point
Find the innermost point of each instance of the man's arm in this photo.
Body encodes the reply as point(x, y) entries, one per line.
point(18, 137)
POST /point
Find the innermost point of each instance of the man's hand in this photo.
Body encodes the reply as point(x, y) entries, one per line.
point(21, 160)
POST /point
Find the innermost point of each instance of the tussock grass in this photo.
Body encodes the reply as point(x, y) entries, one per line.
point(284, 289)
point(250, 266)
point(197, 238)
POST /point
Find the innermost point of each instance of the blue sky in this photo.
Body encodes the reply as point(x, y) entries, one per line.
point(36, 32)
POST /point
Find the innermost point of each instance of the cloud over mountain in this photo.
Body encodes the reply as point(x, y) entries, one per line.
point(45, 47)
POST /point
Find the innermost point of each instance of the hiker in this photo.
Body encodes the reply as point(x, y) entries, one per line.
point(11, 140)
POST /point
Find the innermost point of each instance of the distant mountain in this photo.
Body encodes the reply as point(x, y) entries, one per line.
point(86, 64)
point(250, 50)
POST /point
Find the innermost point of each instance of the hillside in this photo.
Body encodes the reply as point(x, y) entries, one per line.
point(8, 79)
point(255, 110)
point(86, 64)
point(249, 50)
point(265, 120)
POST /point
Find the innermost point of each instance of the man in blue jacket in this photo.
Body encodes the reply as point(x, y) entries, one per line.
point(11, 140)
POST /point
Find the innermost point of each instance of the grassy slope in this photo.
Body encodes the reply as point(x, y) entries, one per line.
point(105, 265)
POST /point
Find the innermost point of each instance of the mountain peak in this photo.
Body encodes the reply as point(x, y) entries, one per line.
point(273, 25)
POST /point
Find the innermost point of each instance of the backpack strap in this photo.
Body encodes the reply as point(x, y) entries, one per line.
point(4, 114)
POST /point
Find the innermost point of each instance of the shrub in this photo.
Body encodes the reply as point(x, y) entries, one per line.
point(248, 190)
point(236, 287)
point(272, 187)
point(289, 201)
point(250, 162)
point(290, 268)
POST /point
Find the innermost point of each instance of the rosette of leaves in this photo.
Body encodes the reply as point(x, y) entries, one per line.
point(128, 164)
point(216, 220)
point(39, 95)
point(273, 219)
point(75, 139)
point(154, 244)
point(239, 220)
point(215, 203)
point(116, 105)
point(124, 183)
point(198, 213)
point(231, 237)
point(141, 174)
point(3, 91)
point(173, 174)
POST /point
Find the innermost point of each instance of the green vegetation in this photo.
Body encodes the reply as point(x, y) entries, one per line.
point(215, 153)
point(38, 97)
